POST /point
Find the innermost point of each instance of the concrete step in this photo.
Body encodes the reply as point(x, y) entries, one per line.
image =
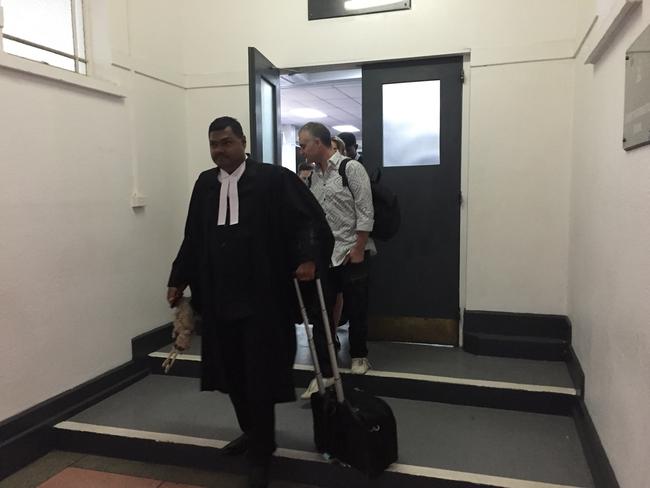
point(428, 373)
point(167, 419)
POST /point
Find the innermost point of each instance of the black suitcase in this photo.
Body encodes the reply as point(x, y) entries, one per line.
point(357, 428)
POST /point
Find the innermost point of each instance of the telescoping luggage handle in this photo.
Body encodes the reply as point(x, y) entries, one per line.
point(338, 386)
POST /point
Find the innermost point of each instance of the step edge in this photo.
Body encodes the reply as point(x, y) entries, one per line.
point(506, 385)
point(296, 454)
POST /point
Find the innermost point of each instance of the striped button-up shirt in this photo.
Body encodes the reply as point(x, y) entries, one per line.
point(347, 209)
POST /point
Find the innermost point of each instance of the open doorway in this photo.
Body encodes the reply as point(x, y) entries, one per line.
point(411, 111)
point(331, 97)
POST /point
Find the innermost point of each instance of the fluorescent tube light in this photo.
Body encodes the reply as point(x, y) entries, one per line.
point(361, 4)
point(345, 128)
point(307, 113)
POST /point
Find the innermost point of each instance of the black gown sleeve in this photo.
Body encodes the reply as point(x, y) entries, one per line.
point(184, 267)
point(306, 229)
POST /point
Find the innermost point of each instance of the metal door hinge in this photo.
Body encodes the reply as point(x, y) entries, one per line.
point(460, 198)
point(462, 75)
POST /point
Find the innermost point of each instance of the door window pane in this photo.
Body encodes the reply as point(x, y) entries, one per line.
point(411, 121)
point(268, 127)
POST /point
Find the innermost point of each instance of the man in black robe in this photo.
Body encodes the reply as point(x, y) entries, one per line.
point(250, 228)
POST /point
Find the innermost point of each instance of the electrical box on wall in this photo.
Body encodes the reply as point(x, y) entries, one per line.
point(138, 200)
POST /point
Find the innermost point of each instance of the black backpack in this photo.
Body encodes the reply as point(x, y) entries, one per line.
point(384, 201)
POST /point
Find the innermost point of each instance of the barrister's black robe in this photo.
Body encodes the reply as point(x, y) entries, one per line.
point(245, 270)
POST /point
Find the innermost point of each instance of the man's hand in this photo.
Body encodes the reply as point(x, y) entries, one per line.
point(306, 271)
point(174, 294)
point(354, 256)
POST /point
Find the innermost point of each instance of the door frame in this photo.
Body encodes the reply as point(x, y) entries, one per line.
point(270, 74)
point(464, 154)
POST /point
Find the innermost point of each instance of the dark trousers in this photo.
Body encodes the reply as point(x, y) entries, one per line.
point(251, 396)
point(352, 281)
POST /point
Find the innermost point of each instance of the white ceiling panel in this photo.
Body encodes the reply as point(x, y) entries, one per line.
point(340, 100)
point(353, 91)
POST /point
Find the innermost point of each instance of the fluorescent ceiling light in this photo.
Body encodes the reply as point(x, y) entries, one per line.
point(307, 113)
point(361, 4)
point(345, 128)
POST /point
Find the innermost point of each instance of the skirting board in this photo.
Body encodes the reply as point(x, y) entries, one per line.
point(27, 436)
point(517, 324)
point(151, 341)
point(599, 465)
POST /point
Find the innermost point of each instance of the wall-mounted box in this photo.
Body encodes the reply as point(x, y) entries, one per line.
point(327, 9)
point(636, 128)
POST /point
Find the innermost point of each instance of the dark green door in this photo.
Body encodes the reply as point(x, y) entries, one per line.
point(414, 290)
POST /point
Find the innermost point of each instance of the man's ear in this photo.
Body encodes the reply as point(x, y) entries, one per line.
point(243, 138)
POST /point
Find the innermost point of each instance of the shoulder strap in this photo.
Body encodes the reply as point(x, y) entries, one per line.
point(344, 176)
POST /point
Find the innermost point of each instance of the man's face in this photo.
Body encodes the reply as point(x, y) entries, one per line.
point(228, 151)
point(310, 147)
point(351, 151)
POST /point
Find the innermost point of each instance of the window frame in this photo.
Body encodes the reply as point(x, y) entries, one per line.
point(77, 60)
point(98, 77)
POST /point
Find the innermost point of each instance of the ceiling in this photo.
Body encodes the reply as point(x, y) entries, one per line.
point(335, 93)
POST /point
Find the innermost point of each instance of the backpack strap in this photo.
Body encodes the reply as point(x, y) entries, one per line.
point(342, 173)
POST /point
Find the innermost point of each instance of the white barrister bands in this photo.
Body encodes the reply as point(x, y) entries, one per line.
point(230, 195)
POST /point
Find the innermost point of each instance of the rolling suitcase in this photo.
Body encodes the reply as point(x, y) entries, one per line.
point(358, 429)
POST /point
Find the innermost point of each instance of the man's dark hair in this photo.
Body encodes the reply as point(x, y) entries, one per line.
point(319, 131)
point(348, 138)
point(222, 123)
point(305, 167)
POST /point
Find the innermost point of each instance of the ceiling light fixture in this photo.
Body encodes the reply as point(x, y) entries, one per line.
point(346, 128)
point(307, 113)
point(361, 4)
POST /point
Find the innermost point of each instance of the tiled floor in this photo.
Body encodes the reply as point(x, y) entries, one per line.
point(60, 469)
point(82, 478)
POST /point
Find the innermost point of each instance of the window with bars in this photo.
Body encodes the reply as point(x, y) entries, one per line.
point(47, 31)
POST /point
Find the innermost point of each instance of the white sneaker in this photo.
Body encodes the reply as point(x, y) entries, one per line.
point(313, 387)
point(359, 366)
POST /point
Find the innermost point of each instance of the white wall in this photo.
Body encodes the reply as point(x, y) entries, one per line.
point(518, 198)
point(151, 31)
point(217, 34)
point(519, 117)
point(609, 291)
point(82, 273)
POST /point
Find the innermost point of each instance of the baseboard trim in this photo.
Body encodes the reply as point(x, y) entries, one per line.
point(27, 436)
point(151, 341)
point(599, 465)
point(576, 372)
point(517, 324)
